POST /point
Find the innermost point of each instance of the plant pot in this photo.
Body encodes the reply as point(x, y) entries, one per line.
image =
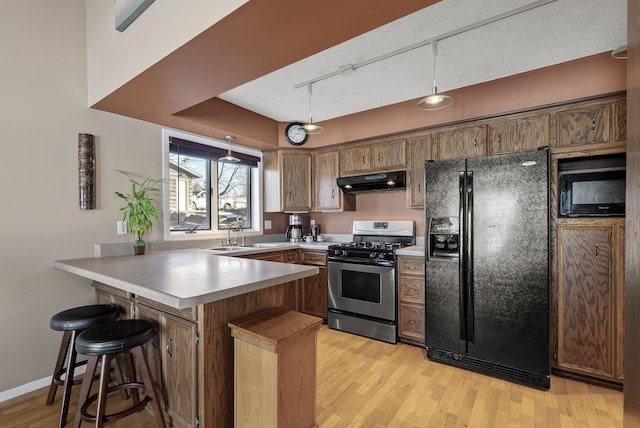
point(139, 247)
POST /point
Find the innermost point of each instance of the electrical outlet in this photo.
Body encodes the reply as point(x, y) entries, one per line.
point(267, 224)
point(121, 228)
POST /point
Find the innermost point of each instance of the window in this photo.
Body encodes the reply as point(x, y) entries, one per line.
point(204, 194)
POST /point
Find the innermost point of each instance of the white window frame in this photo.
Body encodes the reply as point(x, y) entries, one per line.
point(256, 188)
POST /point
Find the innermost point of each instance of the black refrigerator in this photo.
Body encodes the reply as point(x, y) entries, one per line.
point(487, 265)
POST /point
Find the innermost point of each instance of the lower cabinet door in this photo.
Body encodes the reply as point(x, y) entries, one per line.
point(314, 294)
point(172, 355)
point(180, 370)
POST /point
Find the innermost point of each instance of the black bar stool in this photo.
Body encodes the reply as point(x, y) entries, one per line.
point(72, 322)
point(103, 343)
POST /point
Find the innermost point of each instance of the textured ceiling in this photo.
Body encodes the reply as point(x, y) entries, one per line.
point(553, 33)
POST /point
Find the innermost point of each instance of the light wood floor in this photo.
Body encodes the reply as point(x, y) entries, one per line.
point(366, 383)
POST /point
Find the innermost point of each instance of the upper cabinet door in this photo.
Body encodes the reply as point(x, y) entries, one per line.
point(462, 143)
point(327, 196)
point(389, 155)
point(355, 160)
point(519, 134)
point(420, 149)
point(296, 182)
point(585, 125)
point(287, 180)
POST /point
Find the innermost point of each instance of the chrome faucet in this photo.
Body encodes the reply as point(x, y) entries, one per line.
point(238, 227)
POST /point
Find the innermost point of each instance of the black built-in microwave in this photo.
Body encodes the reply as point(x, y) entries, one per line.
point(592, 186)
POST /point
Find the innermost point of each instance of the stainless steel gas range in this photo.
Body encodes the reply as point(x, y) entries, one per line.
point(362, 279)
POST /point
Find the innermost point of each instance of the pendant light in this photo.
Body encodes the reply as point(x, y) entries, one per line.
point(435, 101)
point(620, 52)
point(229, 157)
point(311, 128)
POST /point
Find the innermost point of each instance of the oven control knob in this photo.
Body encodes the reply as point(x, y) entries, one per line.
point(372, 255)
point(345, 253)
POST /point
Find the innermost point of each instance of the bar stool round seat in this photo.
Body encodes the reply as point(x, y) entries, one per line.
point(103, 343)
point(72, 322)
point(83, 317)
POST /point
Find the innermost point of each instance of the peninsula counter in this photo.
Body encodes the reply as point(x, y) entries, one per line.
point(191, 296)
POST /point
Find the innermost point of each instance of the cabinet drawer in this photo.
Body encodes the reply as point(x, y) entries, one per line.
point(412, 289)
point(313, 258)
point(291, 256)
point(411, 322)
point(411, 266)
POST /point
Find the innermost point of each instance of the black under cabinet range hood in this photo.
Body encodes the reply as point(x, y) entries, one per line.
point(373, 183)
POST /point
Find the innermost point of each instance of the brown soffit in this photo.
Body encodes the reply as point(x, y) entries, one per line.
point(259, 37)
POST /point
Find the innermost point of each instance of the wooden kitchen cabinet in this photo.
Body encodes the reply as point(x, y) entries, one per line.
point(620, 121)
point(389, 155)
point(379, 156)
point(355, 160)
point(460, 143)
point(287, 180)
point(108, 295)
point(411, 316)
point(172, 356)
point(589, 298)
point(584, 125)
point(518, 134)
point(327, 196)
point(315, 288)
point(420, 148)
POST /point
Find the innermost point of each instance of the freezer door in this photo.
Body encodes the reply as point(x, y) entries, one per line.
point(510, 260)
point(443, 313)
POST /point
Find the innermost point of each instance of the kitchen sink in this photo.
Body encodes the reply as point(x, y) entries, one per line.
point(232, 248)
point(271, 244)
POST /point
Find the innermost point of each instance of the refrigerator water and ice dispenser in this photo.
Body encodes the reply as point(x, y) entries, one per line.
point(444, 238)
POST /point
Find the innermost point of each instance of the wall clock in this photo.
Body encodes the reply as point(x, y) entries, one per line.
point(295, 134)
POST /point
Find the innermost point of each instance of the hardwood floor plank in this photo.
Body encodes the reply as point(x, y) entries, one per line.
point(368, 384)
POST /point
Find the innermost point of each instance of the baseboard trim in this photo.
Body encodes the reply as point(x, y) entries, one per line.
point(33, 386)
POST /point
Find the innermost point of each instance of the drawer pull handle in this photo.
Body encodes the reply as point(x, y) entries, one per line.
point(593, 124)
point(169, 351)
point(597, 251)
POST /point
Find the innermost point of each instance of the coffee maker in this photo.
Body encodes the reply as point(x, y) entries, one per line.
point(298, 227)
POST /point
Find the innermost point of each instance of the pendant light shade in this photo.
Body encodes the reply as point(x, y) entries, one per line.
point(620, 52)
point(435, 101)
point(229, 157)
point(310, 127)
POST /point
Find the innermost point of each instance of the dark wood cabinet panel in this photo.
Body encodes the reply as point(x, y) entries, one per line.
point(518, 134)
point(585, 125)
point(314, 288)
point(411, 298)
point(462, 143)
point(420, 149)
point(586, 301)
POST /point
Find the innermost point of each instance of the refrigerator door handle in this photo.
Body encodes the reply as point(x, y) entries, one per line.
point(462, 307)
point(469, 259)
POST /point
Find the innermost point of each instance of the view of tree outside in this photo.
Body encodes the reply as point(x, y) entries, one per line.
point(191, 198)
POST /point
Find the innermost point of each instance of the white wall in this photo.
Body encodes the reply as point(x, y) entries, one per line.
point(116, 57)
point(43, 88)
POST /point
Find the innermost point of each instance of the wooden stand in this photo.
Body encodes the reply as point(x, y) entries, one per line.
point(275, 369)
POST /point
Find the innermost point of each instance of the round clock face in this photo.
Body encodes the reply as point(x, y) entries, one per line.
point(295, 134)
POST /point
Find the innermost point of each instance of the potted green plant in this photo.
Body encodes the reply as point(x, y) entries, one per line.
point(140, 211)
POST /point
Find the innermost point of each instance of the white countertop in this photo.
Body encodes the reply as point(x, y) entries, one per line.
point(414, 250)
point(182, 279)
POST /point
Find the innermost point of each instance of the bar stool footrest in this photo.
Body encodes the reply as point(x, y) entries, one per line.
point(86, 416)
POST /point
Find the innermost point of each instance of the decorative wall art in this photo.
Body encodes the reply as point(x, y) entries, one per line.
point(128, 10)
point(86, 172)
